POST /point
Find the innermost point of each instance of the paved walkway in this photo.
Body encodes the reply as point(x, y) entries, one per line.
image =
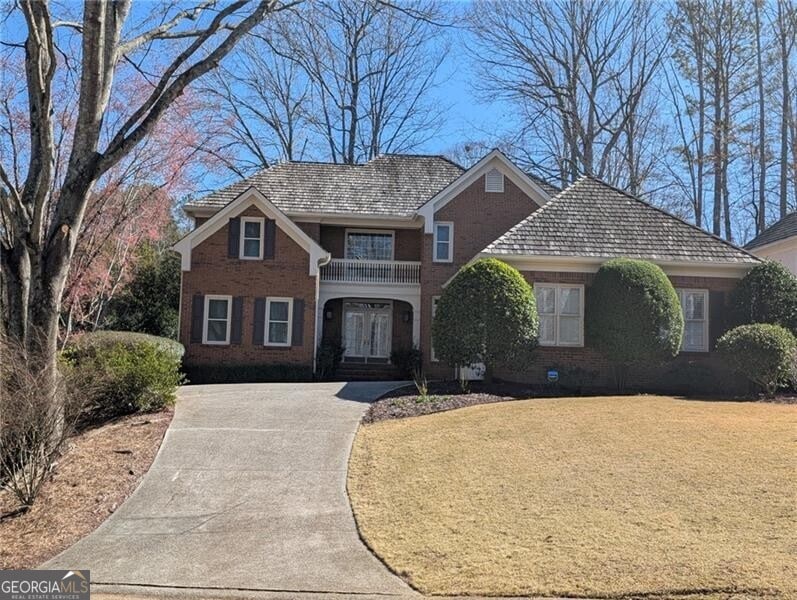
point(248, 492)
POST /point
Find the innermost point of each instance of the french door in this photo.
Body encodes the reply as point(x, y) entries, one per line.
point(367, 331)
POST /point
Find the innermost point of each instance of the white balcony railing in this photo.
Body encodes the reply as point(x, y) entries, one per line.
point(344, 270)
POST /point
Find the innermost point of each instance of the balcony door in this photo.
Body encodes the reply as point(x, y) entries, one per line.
point(367, 329)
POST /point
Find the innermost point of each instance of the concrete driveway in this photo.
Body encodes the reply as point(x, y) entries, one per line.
point(248, 492)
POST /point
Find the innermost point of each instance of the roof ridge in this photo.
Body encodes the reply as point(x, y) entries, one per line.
point(666, 213)
point(418, 155)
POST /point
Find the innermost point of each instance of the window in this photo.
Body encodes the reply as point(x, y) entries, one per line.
point(362, 244)
point(494, 181)
point(217, 320)
point(252, 230)
point(443, 242)
point(279, 321)
point(561, 310)
point(432, 355)
point(694, 304)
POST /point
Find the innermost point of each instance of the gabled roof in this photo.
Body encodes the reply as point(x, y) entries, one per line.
point(545, 185)
point(785, 228)
point(251, 197)
point(390, 185)
point(592, 219)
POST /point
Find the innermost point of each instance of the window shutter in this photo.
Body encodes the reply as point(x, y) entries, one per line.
point(197, 318)
point(297, 337)
point(233, 237)
point(237, 316)
point(717, 321)
point(270, 239)
point(259, 331)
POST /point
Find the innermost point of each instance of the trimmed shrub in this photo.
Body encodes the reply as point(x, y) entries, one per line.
point(633, 314)
point(247, 373)
point(767, 294)
point(486, 313)
point(762, 352)
point(125, 373)
point(408, 360)
point(328, 359)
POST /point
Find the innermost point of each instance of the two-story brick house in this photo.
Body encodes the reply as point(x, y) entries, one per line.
point(358, 254)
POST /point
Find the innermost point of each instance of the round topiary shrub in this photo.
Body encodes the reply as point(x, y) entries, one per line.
point(767, 294)
point(487, 314)
point(762, 352)
point(633, 314)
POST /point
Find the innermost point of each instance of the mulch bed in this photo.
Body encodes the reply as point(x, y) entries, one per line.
point(447, 395)
point(100, 468)
point(405, 401)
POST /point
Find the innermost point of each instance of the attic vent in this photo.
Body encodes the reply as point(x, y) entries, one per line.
point(494, 181)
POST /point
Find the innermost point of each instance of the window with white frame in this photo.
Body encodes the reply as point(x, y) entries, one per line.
point(561, 311)
point(694, 305)
point(364, 244)
point(216, 328)
point(494, 181)
point(443, 242)
point(279, 321)
point(432, 355)
point(252, 231)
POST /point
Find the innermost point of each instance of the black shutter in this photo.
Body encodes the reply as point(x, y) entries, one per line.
point(270, 239)
point(197, 318)
point(717, 317)
point(236, 327)
point(259, 331)
point(297, 337)
point(234, 237)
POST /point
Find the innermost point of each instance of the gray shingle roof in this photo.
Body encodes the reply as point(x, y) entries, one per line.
point(593, 219)
point(545, 185)
point(389, 185)
point(785, 228)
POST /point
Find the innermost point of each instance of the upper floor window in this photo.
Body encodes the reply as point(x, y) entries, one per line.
point(217, 320)
point(494, 181)
point(362, 244)
point(561, 311)
point(252, 230)
point(443, 242)
point(694, 304)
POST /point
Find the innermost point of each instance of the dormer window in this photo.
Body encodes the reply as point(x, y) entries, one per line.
point(494, 181)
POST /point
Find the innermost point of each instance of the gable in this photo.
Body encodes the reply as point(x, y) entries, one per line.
point(245, 201)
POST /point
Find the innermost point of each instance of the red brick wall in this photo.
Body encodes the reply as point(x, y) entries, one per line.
point(407, 242)
point(479, 218)
point(212, 272)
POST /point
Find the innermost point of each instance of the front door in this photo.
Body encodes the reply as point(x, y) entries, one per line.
point(367, 331)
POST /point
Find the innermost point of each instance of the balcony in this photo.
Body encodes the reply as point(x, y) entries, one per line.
point(354, 271)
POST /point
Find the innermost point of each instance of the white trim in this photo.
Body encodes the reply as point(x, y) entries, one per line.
point(389, 232)
point(269, 301)
point(579, 264)
point(498, 187)
point(706, 308)
point(261, 240)
point(557, 316)
point(493, 160)
point(450, 242)
point(251, 197)
point(206, 318)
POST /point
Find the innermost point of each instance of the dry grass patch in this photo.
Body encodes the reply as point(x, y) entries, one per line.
point(99, 470)
point(586, 496)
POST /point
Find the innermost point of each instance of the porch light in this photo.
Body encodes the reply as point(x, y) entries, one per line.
point(328, 315)
point(406, 316)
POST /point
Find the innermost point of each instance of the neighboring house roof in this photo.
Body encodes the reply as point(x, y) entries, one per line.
point(785, 228)
point(592, 219)
point(390, 185)
point(545, 185)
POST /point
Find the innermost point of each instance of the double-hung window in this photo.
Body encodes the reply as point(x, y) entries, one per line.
point(279, 321)
point(252, 231)
point(694, 305)
point(443, 242)
point(217, 320)
point(561, 311)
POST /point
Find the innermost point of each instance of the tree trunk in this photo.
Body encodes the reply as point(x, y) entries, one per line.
point(786, 107)
point(761, 221)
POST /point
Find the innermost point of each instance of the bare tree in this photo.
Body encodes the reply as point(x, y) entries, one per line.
point(41, 218)
point(784, 25)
